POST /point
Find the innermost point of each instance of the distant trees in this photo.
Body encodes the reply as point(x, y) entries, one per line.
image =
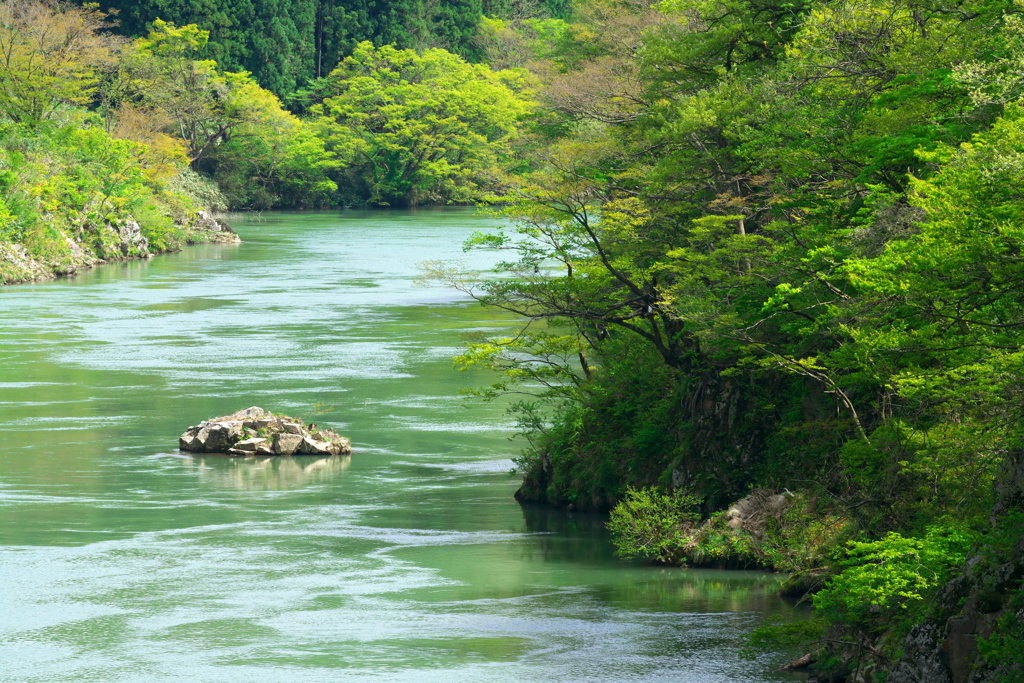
point(50, 55)
point(285, 44)
point(412, 128)
point(206, 106)
point(232, 128)
point(395, 127)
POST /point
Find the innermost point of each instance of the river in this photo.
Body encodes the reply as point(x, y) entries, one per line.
point(122, 559)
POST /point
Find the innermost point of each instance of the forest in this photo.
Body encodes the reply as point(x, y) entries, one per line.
point(766, 254)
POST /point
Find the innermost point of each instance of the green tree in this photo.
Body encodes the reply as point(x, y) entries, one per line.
point(412, 128)
point(50, 55)
point(206, 106)
point(286, 44)
point(275, 162)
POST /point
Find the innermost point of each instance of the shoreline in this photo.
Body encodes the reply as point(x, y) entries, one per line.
point(19, 267)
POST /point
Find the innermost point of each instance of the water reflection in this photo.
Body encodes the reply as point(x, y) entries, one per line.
point(559, 530)
point(267, 474)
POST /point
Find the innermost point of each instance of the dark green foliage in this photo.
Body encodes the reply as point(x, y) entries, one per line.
point(286, 44)
point(620, 433)
point(1002, 591)
point(279, 41)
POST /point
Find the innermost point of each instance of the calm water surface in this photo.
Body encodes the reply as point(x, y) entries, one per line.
point(122, 559)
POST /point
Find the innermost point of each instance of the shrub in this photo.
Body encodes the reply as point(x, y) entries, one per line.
point(652, 524)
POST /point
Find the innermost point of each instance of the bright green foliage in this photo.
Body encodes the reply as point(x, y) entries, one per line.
point(959, 279)
point(411, 128)
point(234, 130)
point(276, 163)
point(540, 361)
point(49, 57)
point(651, 524)
point(68, 194)
point(883, 579)
point(206, 107)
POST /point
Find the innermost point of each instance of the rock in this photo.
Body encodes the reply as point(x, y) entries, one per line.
point(18, 265)
point(250, 444)
point(131, 240)
point(249, 414)
point(223, 436)
point(800, 662)
point(198, 444)
point(236, 434)
point(753, 512)
point(286, 444)
point(311, 446)
point(213, 229)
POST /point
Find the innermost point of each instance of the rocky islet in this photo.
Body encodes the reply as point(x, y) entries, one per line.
point(255, 431)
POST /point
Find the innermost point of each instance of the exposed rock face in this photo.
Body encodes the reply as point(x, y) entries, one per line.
point(131, 241)
point(17, 265)
point(213, 230)
point(113, 241)
point(254, 431)
point(753, 512)
point(286, 443)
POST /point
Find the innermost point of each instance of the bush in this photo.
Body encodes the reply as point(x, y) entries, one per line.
point(651, 524)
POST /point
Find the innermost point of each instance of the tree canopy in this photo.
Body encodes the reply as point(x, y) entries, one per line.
point(286, 44)
point(50, 55)
point(414, 127)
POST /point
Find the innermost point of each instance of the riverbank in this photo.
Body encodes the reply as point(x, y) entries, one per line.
point(112, 243)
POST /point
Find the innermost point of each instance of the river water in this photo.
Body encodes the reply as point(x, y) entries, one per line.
point(122, 559)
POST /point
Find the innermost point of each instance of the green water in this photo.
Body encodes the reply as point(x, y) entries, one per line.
point(122, 559)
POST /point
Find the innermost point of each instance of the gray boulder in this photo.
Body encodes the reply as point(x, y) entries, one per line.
point(255, 431)
point(286, 443)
